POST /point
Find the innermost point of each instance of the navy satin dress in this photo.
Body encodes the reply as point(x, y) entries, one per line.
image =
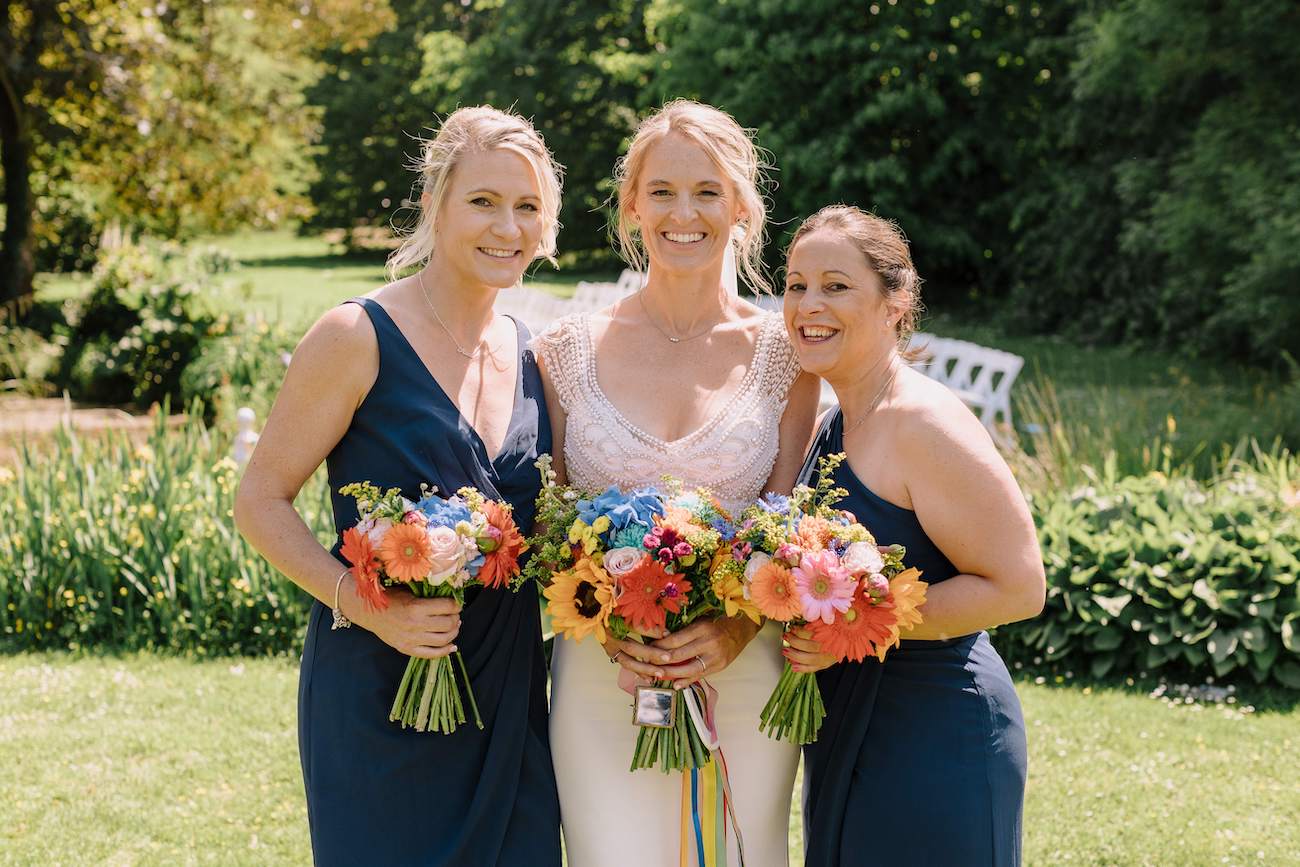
point(921, 759)
point(377, 793)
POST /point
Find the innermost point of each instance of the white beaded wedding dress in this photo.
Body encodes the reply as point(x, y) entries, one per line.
point(611, 815)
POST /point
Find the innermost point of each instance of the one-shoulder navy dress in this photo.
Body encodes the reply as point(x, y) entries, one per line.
point(921, 759)
point(380, 794)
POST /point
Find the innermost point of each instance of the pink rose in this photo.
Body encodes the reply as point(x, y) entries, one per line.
point(446, 553)
point(620, 561)
point(375, 528)
point(878, 586)
point(861, 558)
point(416, 518)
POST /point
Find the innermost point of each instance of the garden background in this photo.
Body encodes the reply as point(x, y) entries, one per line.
point(1109, 188)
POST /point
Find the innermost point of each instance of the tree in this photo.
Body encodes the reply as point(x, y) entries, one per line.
point(197, 109)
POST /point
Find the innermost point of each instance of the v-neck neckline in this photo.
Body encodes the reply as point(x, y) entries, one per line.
point(465, 422)
point(708, 423)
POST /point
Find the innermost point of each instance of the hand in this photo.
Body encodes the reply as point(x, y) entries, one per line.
point(805, 655)
point(410, 625)
point(640, 659)
point(703, 648)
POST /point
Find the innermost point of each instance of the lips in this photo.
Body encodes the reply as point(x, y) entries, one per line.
point(684, 237)
point(498, 252)
point(817, 333)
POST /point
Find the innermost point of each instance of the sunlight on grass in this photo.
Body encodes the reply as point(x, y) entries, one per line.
point(162, 761)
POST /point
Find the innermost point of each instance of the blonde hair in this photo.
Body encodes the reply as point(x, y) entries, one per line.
point(732, 149)
point(885, 247)
point(475, 130)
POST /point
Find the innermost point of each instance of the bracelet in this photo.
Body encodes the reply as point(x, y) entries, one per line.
point(340, 620)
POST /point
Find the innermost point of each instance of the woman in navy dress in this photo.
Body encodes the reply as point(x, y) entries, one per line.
point(922, 758)
point(420, 382)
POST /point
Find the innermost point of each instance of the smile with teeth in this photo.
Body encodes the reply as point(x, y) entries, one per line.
point(498, 252)
point(684, 237)
point(817, 333)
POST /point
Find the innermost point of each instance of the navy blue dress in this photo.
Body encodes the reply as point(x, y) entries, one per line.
point(380, 794)
point(921, 759)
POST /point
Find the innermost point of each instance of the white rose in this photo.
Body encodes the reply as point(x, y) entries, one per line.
point(446, 553)
point(620, 561)
point(756, 562)
point(375, 528)
point(862, 557)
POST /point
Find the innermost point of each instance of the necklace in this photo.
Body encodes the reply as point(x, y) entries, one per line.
point(671, 338)
point(875, 401)
point(454, 342)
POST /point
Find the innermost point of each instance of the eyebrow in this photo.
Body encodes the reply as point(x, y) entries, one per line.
point(670, 183)
point(482, 190)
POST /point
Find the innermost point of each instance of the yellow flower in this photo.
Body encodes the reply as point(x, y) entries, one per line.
point(601, 524)
point(581, 533)
point(906, 595)
point(728, 580)
point(580, 601)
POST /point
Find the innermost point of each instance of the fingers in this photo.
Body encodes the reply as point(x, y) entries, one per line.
point(436, 607)
point(640, 659)
point(425, 651)
point(802, 640)
point(705, 647)
point(685, 636)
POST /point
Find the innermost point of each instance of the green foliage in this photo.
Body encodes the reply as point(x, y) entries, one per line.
point(1152, 573)
point(147, 313)
point(923, 112)
point(106, 545)
point(243, 367)
point(26, 360)
point(1163, 206)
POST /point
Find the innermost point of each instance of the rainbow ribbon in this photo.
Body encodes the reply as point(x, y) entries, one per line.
point(707, 805)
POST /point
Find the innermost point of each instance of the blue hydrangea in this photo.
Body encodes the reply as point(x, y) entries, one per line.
point(775, 503)
point(631, 536)
point(443, 513)
point(639, 507)
point(724, 527)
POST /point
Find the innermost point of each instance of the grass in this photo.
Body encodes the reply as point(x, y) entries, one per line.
point(148, 760)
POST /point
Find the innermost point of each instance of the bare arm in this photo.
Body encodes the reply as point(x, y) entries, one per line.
point(970, 506)
point(332, 370)
point(796, 432)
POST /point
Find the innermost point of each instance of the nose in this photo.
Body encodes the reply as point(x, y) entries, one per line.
point(683, 210)
point(810, 302)
point(506, 226)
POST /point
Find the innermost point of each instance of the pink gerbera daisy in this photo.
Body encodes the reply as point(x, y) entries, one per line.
point(825, 587)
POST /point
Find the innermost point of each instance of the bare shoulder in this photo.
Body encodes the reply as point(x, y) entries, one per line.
point(933, 428)
point(345, 328)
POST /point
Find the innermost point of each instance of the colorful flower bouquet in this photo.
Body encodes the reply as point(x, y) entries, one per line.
point(435, 547)
point(631, 565)
point(814, 567)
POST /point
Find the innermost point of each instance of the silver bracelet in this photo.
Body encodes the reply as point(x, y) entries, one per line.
point(340, 620)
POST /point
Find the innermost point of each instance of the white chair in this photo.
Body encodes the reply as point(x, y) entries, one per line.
point(982, 377)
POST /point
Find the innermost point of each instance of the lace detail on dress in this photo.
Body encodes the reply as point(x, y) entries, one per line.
point(732, 453)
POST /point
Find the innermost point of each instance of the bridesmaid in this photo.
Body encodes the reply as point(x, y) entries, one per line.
point(419, 381)
point(921, 759)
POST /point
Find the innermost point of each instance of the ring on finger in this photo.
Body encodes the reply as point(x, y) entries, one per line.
point(614, 659)
point(704, 666)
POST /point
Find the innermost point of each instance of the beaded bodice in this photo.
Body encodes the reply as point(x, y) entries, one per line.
point(731, 454)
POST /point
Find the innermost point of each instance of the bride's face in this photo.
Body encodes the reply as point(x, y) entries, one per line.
point(836, 311)
point(684, 206)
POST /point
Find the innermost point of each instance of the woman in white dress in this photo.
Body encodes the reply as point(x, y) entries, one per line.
point(682, 378)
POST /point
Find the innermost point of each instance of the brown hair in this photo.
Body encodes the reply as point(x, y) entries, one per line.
point(476, 129)
point(885, 247)
point(731, 147)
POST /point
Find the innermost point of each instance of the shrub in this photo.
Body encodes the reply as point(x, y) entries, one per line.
point(242, 368)
point(1150, 573)
point(108, 545)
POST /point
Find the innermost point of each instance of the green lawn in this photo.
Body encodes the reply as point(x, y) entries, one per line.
point(146, 760)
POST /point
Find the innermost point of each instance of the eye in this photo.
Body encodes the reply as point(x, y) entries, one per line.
point(712, 194)
point(795, 287)
point(836, 287)
point(481, 201)
point(529, 206)
point(661, 193)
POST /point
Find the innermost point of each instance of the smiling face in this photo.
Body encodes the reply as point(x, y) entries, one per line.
point(836, 311)
point(684, 206)
point(490, 222)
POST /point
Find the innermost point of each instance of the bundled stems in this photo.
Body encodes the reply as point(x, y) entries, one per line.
point(795, 710)
point(672, 749)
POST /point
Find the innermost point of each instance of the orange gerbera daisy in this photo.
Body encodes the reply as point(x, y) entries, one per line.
point(864, 629)
point(358, 551)
point(814, 533)
point(502, 563)
point(405, 553)
point(649, 593)
point(679, 519)
point(907, 594)
point(580, 600)
point(772, 590)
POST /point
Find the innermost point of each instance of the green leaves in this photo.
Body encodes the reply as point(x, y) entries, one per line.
point(1204, 581)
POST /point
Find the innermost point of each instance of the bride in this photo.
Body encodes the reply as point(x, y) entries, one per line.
point(687, 379)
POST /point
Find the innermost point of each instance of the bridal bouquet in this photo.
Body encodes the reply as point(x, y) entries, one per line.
point(814, 567)
point(436, 548)
point(632, 564)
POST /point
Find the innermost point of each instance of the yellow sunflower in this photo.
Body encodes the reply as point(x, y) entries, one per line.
point(580, 601)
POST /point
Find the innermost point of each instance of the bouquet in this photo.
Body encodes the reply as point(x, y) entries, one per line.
point(435, 547)
point(809, 565)
point(629, 565)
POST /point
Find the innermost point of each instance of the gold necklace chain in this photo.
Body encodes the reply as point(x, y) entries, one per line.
point(424, 293)
point(671, 339)
point(875, 401)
